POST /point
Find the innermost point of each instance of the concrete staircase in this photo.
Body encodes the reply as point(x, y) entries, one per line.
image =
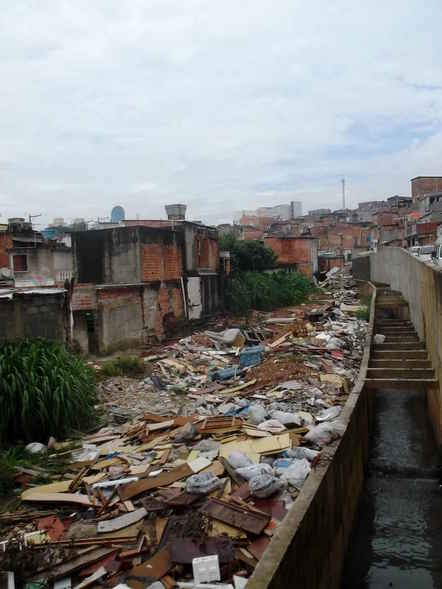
point(402, 360)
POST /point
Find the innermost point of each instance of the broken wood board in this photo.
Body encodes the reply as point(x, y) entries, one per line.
point(165, 478)
point(240, 387)
point(74, 498)
point(123, 521)
point(236, 516)
point(69, 567)
point(99, 574)
point(148, 572)
point(59, 487)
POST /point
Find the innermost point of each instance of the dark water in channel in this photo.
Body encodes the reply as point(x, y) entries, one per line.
point(397, 538)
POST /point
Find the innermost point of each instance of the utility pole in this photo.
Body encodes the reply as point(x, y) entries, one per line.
point(343, 193)
point(33, 217)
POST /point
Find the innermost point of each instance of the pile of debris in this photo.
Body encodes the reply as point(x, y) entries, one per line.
point(224, 430)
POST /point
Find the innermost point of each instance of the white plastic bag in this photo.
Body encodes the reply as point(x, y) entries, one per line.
point(256, 414)
point(264, 485)
point(324, 433)
point(296, 473)
point(202, 483)
point(272, 425)
point(238, 460)
point(249, 472)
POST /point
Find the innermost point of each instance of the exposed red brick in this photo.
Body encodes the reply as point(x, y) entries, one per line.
point(5, 245)
point(160, 262)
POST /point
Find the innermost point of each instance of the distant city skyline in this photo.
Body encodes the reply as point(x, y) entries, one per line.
point(224, 106)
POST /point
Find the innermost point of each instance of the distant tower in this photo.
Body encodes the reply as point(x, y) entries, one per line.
point(343, 193)
point(117, 214)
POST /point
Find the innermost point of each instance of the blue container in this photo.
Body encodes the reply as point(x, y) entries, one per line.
point(251, 356)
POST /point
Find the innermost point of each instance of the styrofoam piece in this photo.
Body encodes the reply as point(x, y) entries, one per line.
point(239, 582)
point(206, 569)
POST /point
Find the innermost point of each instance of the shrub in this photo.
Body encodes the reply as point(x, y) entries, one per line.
point(264, 292)
point(248, 256)
point(123, 366)
point(44, 390)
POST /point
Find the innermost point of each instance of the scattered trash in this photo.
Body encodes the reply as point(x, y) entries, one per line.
point(197, 462)
point(36, 448)
point(379, 339)
point(206, 569)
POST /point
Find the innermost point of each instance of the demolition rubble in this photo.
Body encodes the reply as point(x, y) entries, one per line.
point(202, 458)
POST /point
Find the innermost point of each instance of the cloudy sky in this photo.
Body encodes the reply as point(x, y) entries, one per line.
point(222, 104)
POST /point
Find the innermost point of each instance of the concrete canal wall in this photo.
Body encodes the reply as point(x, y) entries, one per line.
point(420, 284)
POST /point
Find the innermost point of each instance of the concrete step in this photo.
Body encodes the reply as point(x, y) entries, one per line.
point(399, 355)
point(394, 330)
point(399, 346)
point(394, 339)
point(400, 373)
point(401, 363)
point(399, 384)
point(394, 327)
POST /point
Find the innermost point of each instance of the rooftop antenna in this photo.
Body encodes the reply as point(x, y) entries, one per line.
point(33, 217)
point(343, 193)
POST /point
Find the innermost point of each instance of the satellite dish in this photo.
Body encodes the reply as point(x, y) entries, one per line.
point(117, 214)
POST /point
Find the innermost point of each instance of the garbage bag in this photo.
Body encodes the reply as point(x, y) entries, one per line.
point(207, 446)
point(202, 483)
point(296, 473)
point(256, 415)
point(186, 432)
point(329, 414)
point(272, 425)
point(265, 485)
point(36, 448)
point(302, 452)
point(324, 433)
point(379, 339)
point(229, 335)
point(250, 472)
point(238, 460)
point(286, 418)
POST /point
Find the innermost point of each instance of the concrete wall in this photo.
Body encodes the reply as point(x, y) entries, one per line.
point(421, 286)
point(45, 265)
point(33, 315)
point(308, 548)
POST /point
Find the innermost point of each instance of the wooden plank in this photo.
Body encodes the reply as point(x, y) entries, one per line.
point(118, 523)
point(236, 516)
point(67, 568)
point(59, 487)
point(238, 388)
point(74, 498)
point(161, 480)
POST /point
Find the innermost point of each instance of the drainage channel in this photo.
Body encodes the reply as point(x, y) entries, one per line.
point(397, 537)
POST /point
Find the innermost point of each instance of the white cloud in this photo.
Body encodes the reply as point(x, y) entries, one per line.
point(223, 105)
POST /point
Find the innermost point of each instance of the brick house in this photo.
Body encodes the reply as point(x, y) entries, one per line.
point(297, 253)
point(138, 282)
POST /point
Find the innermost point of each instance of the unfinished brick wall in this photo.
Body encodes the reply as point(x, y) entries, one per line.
point(160, 262)
point(163, 307)
point(83, 298)
point(425, 185)
point(291, 250)
point(5, 245)
point(208, 253)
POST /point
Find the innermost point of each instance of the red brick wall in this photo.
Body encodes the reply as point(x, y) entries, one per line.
point(84, 298)
point(160, 262)
point(208, 253)
point(425, 185)
point(5, 244)
point(170, 306)
point(291, 250)
point(252, 234)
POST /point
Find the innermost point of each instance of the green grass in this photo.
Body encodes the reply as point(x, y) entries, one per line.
point(262, 291)
point(44, 391)
point(122, 366)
